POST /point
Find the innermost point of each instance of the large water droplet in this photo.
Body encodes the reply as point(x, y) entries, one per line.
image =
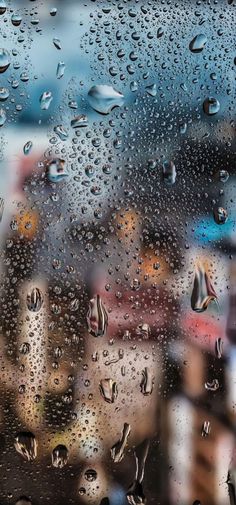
point(45, 100)
point(90, 475)
point(220, 215)
point(56, 171)
point(34, 300)
point(203, 292)
point(97, 318)
point(60, 69)
point(4, 94)
point(4, 60)
point(26, 445)
point(117, 450)
point(211, 106)
point(103, 98)
point(60, 456)
point(3, 7)
point(198, 43)
point(169, 172)
point(108, 390)
point(146, 382)
point(3, 117)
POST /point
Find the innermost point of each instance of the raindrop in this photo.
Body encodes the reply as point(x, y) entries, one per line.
point(169, 172)
point(34, 300)
point(45, 100)
point(57, 43)
point(3, 7)
point(4, 60)
point(53, 11)
point(25, 348)
point(3, 117)
point(16, 19)
point(198, 43)
point(146, 382)
point(212, 386)
point(97, 319)
point(27, 147)
point(223, 175)
point(60, 69)
point(117, 450)
point(220, 215)
point(211, 106)
point(219, 347)
point(61, 132)
point(206, 428)
point(203, 292)
point(79, 121)
point(55, 170)
point(26, 445)
point(1, 208)
point(151, 89)
point(90, 475)
point(60, 456)
point(108, 390)
point(103, 98)
point(4, 94)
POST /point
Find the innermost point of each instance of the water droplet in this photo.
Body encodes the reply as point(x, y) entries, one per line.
point(60, 69)
point(151, 89)
point(206, 428)
point(16, 19)
point(219, 347)
point(3, 117)
point(223, 175)
point(53, 11)
point(25, 348)
point(203, 292)
point(90, 475)
point(220, 215)
point(211, 106)
point(34, 300)
point(56, 171)
point(1, 208)
point(108, 390)
point(4, 60)
point(45, 100)
point(60, 456)
point(198, 43)
point(4, 94)
point(27, 147)
point(79, 121)
point(143, 330)
point(61, 132)
point(212, 385)
point(146, 382)
point(103, 98)
point(57, 43)
point(117, 450)
point(133, 86)
point(169, 172)
point(3, 7)
point(135, 494)
point(26, 445)
point(97, 318)
point(23, 500)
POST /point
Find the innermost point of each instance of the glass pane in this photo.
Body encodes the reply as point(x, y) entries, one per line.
point(117, 252)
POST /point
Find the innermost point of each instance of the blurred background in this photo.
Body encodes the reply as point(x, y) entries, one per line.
point(117, 204)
